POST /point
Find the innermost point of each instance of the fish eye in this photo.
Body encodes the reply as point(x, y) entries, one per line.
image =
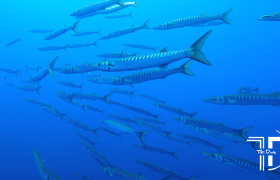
point(214, 99)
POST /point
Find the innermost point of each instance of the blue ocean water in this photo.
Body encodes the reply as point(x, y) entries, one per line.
point(244, 54)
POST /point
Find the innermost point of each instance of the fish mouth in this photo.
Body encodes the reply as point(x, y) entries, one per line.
point(206, 154)
point(204, 100)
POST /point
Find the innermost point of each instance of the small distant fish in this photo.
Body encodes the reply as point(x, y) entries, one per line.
point(58, 32)
point(193, 139)
point(156, 150)
point(44, 72)
point(10, 71)
point(38, 159)
point(85, 138)
point(30, 82)
point(140, 47)
point(81, 45)
point(174, 110)
point(117, 55)
point(121, 118)
point(127, 129)
point(75, 103)
point(53, 48)
point(151, 98)
point(87, 33)
point(9, 84)
point(14, 41)
point(29, 88)
point(174, 139)
point(32, 67)
point(247, 90)
point(91, 96)
point(150, 120)
point(118, 15)
point(111, 132)
point(37, 102)
point(116, 103)
point(125, 31)
point(112, 171)
point(70, 84)
point(94, 109)
point(89, 75)
point(53, 111)
point(81, 126)
point(40, 31)
point(121, 91)
point(94, 7)
point(141, 111)
point(82, 177)
point(270, 17)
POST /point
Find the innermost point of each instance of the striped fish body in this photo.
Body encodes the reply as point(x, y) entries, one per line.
point(121, 91)
point(8, 71)
point(112, 171)
point(244, 165)
point(116, 103)
point(94, 7)
point(156, 150)
point(141, 111)
point(111, 132)
point(246, 99)
point(119, 16)
point(120, 127)
point(85, 138)
point(140, 46)
point(174, 139)
point(48, 175)
point(80, 45)
point(51, 48)
point(82, 177)
point(78, 124)
point(69, 84)
point(89, 96)
point(153, 127)
point(124, 119)
point(117, 7)
point(62, 95)
point(58, 32)
point(87, 67)
point(117, 55)
point(209, 23)
point(29, 88)
point(155, 167)
point(123, 32)
point(104, 80)
point(30, 82)
point(61, 68)
point(85, 33)
point(173, 109)
point(151, 98)
point(93, 109)
point(53, 111)
point(150, 120)
point(36, 102)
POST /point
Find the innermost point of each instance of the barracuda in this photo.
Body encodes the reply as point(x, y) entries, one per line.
point(61, 31)
point(157, 59)
point(94, 7)
point(37, 102)
point(82, 177)
point(192, 21)
point(117, 55)
point(29, 88)
point(87, 67)
point(87, 33)
point(104, 80)
point(243, 165)
point(246, 99)
point(127, 129)
point(75, 103)
point(93, 152)
point(119, 15)
point(53, 111)
point(85, 138)
point(116, 8)
point(53, 48)
point(211, 23)
point(141, 111)
point(10, 71)
point(14, 41)
point(211, 125)
point(91, 96)
point(121, 91)
point(111, 132)
point(175, 139)
point(174, 110)
point(80, 45)
point(94, 109)
point(150, 98)
point(193, 139)
point(150, 121)
point(32, 67)
point(112, 171)
point(70, 84)
point(40, 75)
point(81, 126)
point(155, 128)
point(140, 47)
point(156, 150)
point(121, 118)
point(125, 31)
point(270, 17)
point(38, 159)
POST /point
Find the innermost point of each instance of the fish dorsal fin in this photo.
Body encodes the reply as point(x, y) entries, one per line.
point(164, 66)
point(163, 50)
point(104, 59)
point(221, 124)
point(204, 14)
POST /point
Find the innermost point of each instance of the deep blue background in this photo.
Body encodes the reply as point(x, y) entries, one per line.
point(245, 54)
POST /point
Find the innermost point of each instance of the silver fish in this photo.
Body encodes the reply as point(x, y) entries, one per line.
point(270, 17)
point(81, 45)
point(174, 139)
point(87, 67)
point(44, 72)
point(53, 111)
point(14, 41)
point(62, 68)
point(10, 71)
point(104, 80)
point(112, 171)
point(53, 48)
point(82, 177)
point(29, 88)
point(37, 102)
point(141, 111)
point(94, 109)
point(118, 15)
point(117, 7)
point(211, 23)
point(70, 84)
point(116, 103)
point(138, 46)
point(61, 31)
point(127, 129)
point(117, 55)
point(150, 98)
point(247, 90)
point(111, 132)
point(150, 120)
point(87, 33)
point(85, 138)
point(32, 67)
point(63, 95)
point(75, 103)
point(121, 118)
point(155, 128)
point(121, 91)
point(91, 96)
point(81, 126)
point(189, 21)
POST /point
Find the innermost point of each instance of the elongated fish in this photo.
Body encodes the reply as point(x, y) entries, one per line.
point(138, 46)
point(94, 7)
point(38, 159)
point(121, 118)
point(75, 103)
point(117, 7)
point(91, 96)
point(87, 67)
point(37, 102)
point(29, 88)
point(90, 75)
point(44, 72)
point(176, 139)
point(93, 152)
point(247, 90)
point(118, 15)
point(70, 84)
point(215, 126)
point(86, 33)
point(81, 45)
point(30, 82)
point(127, 129)
point(93, 109)
point(121, 91)
point(82, 177)
point(116, 103)
point(211, 23)
point(62, 95)
point(62, 68)
point(270, 17)
point(104, 80)
point(125, 31)
point(157, 59)
point(193, 139)
point(53, 48)
point(141, 111)
point(244, 165)
point(53, 111)
point(32, 67)
point(14, 42)
point(10, 71)
point(48, 175)
point(189, 21)
point(9, 84)
point(155, 128)
point(156, 150)
point(117, 55)
point(150, 120)
point(246, 99)
point(111, 132)
point(81, 126)
point(150, 98)
point(61, 31)
point(85, 138)
point(112, 171)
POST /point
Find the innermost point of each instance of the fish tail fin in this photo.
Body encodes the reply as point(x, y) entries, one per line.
point(95, 131)
point(38, 68)
point(164, 123)
point(193, 114)
point(37, 90)
point(95, 43)
point(135, 4)
point(255, 145)
point(80, 87)
point(220, 148)
point(225, 18)
point(257, 90)
point(98, 32)
point(131, 94)
point(196, 47)
point(120, 2)
point(175, 155)
point(84, 107)
point(106, 98)
point(51, 66)
point(16, 72)
point(66, 47)
point(142, 135)
point(102, 112)
point(186, 69)
point(74, 27)
point(245, 131)
point(146, 24)
point(62, 116)
point(155, 49)
point(130, 15)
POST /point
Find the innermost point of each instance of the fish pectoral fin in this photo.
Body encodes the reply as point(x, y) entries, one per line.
point(231, 101)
